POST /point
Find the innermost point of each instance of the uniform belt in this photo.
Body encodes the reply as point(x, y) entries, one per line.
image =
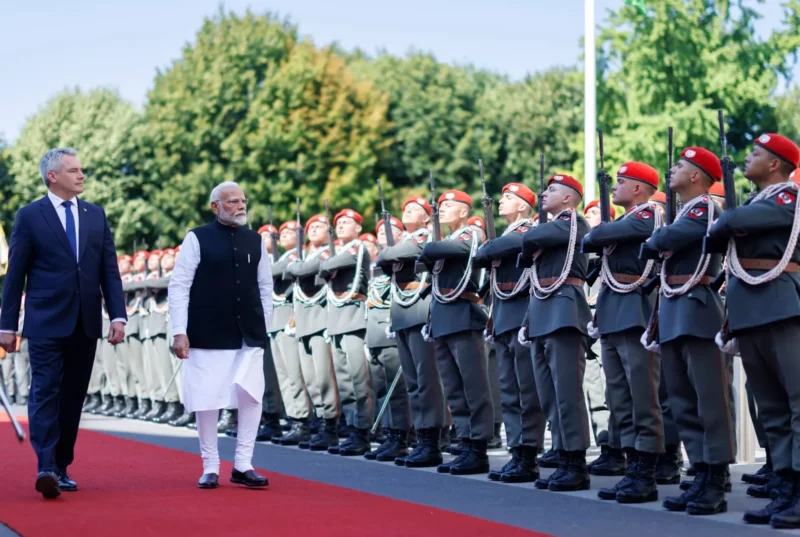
point(410, 286)
point(357, 296)
point(625, 278)
point(545, 282)
point(466, 295)
point(767, 264)
point(683, 278)
point(507, 286)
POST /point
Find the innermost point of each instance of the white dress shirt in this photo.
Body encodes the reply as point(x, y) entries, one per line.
point(180, 283)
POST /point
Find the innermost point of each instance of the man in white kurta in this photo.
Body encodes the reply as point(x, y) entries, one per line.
point(220, 300)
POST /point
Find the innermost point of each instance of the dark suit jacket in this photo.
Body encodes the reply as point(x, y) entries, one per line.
point(60, 289)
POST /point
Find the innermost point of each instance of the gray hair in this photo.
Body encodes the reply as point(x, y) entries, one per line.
point(51, 162)
point(220, 187)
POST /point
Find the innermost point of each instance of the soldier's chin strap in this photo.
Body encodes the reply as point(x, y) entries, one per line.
point(543, 293)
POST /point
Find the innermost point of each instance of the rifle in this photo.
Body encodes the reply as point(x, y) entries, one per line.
point(300, 231)
point(542, 212)
point(730, 189)
point(437, 226)
point(331, 230)
point(603, 180)
point(486, 201)
point(672, 205)
point(14, 423)
point(272, 236)
point(387, 219)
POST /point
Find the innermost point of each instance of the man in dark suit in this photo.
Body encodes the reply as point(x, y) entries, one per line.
point(63, 247)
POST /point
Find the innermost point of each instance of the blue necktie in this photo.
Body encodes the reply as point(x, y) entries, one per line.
point(71, 235)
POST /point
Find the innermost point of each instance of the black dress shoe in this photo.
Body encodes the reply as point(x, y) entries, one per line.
point(47, 485)
point(65, 482)
point(249, 478)
point(208, 481)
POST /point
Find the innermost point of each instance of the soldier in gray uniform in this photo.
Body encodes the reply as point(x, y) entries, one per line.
point(408, 313)
point(556, 326)
point(522, 413)
point(347, 274)
point(131, 358)
point(633, 373)
point(763, 310)
point(286, 356)
point(14, 368)
point(456, 323)
point(689, 316)
point(385, 358)
point(310, 324)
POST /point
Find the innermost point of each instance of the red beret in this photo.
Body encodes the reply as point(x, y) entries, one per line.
point(422, 202)
point(705, 160)
point(316, 218)
point(168, 251)
point(348, 213)
point(521, 191)
point(717, 189)
point(455, 195)
point(368, 237)
point(156, 253)
point(289, 224)
point(591, 204)
point(639, 171)
point(125, 257)
point(476, 221)
point(142, 253)
point(659, 196)
point(781, 147)
point(393, 221)
point(567, 180)
point(267, 228)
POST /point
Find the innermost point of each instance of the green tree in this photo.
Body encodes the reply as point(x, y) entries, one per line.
point(788, 113)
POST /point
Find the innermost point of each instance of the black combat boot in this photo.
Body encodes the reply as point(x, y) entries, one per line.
point(145, 406)
point(551, 459)
point(270, 429)
point(789, 518)
point(679, 503)
point(93, 401)
point(445, 439)
point(543, 483)
point(686, 485)
point(105, 408)
point(576, 477)
point(784, 499)
point(315, 423)
point(357, 444)
point(465, 444)
point(183, 420)
point(630, 475)
point(159, 407)
point(526, 470)
point(227, 420)
point(412, 437)
point(611, 462)
point(668, 468)
point(691, 471)
point(427, 452)
point(131, 406)
point(497, 440)
point(395, 447)
point(763, 475)
point(516, 456)
point(326, 437)
point(342, 428)
point(173, 410)
point(766, 491)
point(712, 500)
point(459, 448)
point(642, 488)
point(475, 461)
point(118, 410)
point(299, 432)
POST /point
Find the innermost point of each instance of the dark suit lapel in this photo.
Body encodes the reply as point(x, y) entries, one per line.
point(83, 228)
point(51, 217)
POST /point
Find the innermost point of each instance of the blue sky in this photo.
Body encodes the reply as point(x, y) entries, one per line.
point(49, 45)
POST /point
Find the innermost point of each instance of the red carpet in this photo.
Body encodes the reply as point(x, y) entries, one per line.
point(135, 489)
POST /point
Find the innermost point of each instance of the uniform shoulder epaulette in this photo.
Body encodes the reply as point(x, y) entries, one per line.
point(645, 213)
point(787, 196)
point(698, 212)
point(464, 235)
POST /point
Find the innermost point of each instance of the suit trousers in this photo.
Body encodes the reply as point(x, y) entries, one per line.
point(633, 376)
point(315, 349)
point(559, 363)
point(769, 357)
point(384, 365)
point(421, 373)
point(60, 373)
point(465, 376)
point(289, 371)
point(524, 420)
point(355, 391)
point(699, 387)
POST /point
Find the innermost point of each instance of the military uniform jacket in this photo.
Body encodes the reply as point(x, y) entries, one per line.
point(697, 313)
point(567, 307)
point(349, 266)
point(282, 288)
point(400, 260)
point(378, 312)
point(622, 311)
point(131, 285)
point(309, 313)
point(461, 314)
point(154, 321)
point(765, 225)
point(507, 314)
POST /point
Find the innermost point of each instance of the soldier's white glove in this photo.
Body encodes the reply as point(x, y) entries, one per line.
point(487, 336)
point(326, 336)
point(390, 335)
point(728, 347)
point(652, 347)
point(593, 331)
point(426, 333)
point(522, 337)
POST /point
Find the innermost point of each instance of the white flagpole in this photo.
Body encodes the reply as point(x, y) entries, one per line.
point(589, 98)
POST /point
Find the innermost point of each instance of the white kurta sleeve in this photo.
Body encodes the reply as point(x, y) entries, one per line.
point(180, 283)
point(265, 283)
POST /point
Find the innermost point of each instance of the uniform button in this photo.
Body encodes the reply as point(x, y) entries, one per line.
point(234, 248)
point(237, 281)
point(238, 316)
point(238, 299)
point(690, 295)
point(237, 264)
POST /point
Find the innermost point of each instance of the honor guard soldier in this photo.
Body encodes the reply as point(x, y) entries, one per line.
point(408, 314)
point(689, 316)
point(311, 322)
point(286, 355)
point(717, 193)
point(15, 369)
point(384, 358)
point(371, 244)
point(456, 323)
point(133, 355)
point(763, 311)
point(623, 310)
point(347, 274)
point(521, 410)
point(556, 326)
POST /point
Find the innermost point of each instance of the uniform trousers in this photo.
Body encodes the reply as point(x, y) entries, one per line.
point(424, 384)
point(159, 364)
point(604, 428)
point(289, 371)
point(272, 401)
point(352, 377)
point(109, 355)
point(384, 365)
point(316, 350)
